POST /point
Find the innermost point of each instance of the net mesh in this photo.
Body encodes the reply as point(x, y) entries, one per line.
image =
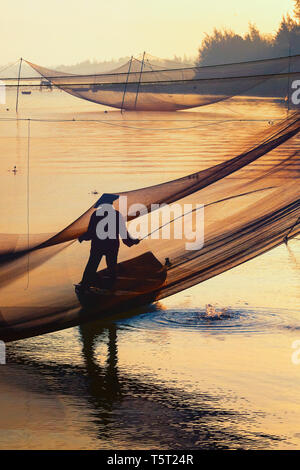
point(245, 216)
point(145, 85)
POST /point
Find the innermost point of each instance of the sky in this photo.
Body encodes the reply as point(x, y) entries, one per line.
point(70, 31)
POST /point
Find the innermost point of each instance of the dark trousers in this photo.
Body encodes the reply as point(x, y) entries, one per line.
point(96, 253)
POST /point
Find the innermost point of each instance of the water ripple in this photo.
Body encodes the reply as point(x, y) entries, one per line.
point(218, 321)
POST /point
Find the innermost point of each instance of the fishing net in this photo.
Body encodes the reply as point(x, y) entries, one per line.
point(251, 204)
point(146, 85)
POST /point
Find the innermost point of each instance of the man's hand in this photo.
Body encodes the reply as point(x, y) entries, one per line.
point(129, 241)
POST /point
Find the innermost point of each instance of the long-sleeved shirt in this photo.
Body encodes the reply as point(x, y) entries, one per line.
point(116, 230)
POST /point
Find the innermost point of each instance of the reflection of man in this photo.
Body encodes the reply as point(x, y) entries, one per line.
point(105, 228)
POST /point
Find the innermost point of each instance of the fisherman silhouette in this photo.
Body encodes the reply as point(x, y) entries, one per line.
point(105, 241)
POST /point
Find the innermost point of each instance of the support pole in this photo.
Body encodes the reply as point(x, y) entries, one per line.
point(28, 202)
point(126, 83)
point(18, 86)
point(140, 78)
point(289, 83)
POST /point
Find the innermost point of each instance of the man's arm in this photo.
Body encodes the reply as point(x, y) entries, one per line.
point(127, 239)
point(88, 234)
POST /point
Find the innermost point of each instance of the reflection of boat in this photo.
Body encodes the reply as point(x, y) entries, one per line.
point(26, 92)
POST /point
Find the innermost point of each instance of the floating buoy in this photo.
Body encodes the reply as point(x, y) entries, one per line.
point(14, 170)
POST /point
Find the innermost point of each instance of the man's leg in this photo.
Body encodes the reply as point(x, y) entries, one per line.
point(112, 261)
point(91, 268)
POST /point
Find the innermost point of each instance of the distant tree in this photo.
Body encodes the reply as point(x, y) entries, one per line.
point(297, 10)
point(287, 39)
point(225, 46)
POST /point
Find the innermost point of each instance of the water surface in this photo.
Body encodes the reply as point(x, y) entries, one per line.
point(210, 367)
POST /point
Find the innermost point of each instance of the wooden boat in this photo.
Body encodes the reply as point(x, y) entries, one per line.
point(139, 281)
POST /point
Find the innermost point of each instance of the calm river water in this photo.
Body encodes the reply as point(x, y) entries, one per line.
point(210, 367)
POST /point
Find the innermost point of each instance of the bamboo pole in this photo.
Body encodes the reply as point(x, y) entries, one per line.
point(18, 86)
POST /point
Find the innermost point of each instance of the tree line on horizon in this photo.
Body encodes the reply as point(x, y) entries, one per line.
point(222, 46)
point(226, 46)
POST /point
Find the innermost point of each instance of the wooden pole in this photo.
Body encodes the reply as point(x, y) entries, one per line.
point(289, 82)
point(140, 77)
point(126, 83)
point(18, 86)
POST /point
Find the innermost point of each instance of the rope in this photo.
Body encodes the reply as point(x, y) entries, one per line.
point(28, 202)
point(149, 82)
point(203, 67)
point(139, 83)
point(126, 83)
point(114, 122)
point(203, 206)
point(286, 238)
point(8, 66)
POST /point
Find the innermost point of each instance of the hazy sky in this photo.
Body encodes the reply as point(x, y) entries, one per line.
point(69, 31)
